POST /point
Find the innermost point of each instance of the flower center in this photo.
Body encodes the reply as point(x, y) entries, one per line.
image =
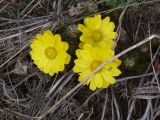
point(97, 36)
point(95, 64)
point(50, 52)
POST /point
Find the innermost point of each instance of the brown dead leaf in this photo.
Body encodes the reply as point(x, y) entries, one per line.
point(20, 69)
point(74, 11)
point(14, 1)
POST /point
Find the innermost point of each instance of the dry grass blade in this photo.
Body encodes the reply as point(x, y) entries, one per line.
point(146, 93)
point(56, 84)
point(157, 112)
point(115, 107)
point(105, 106)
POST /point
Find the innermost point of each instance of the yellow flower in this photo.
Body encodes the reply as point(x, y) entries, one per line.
point(89, 59)
point(49, 52)
point(97, 32)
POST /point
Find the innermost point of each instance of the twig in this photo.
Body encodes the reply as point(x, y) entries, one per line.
point(134, 77)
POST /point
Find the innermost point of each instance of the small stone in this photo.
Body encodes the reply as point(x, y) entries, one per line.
point(129, 62)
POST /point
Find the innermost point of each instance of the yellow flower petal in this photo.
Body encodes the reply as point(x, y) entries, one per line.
point(81, 44)
point(82, 28)
point(110, 27)
point(65, 46)
point(49, 52)
point(97, 21)
point(98, 80)
point(92, 86)
point(118, 62)
point(115, 72)
point(105, 84)
point(84, 74)
point(95, 31)
point(107, 77)
point(87, 21)
point(110, 35)
point(89, 58)
point(105, 21)
point(86, 56)
point(39, 37)
point(68, 58)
